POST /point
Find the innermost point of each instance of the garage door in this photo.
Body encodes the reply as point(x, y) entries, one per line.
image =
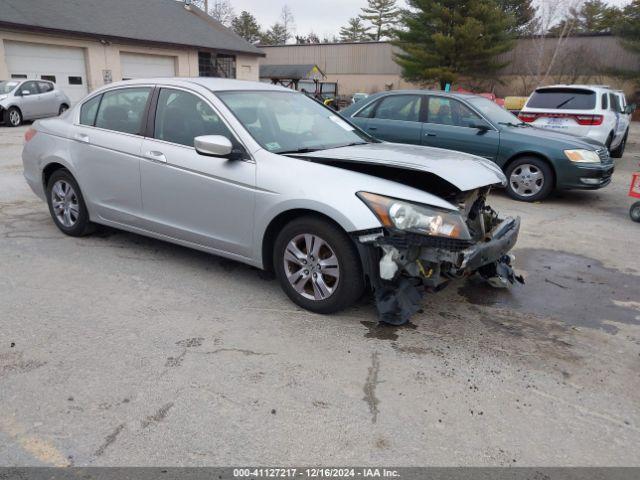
point(63, 65)
point(135, 65)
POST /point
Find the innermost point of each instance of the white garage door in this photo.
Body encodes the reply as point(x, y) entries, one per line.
point(135, 65)
point(63, 65)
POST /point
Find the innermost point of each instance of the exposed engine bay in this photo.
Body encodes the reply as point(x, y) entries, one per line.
point(401, 265)
point(421, 247)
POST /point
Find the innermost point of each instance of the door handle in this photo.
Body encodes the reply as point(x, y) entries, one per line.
point(429, 134)
point(373, 128)
point(156, 156)
point(82, 137)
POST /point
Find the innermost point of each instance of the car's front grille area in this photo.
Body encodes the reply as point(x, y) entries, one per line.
point(603, 153)
point(406, 240)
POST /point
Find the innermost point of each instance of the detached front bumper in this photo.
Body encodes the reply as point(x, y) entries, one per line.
point(401, 267)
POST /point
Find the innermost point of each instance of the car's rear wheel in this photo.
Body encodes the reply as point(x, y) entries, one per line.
point(317, 265)
point(66, 204)
point(13, 117)
point(618, 152)
point(63, 108)
point(530, 179)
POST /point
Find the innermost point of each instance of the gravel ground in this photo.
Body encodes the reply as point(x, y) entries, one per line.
point(120, 350)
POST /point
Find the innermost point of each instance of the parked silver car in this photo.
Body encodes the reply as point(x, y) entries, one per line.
point(22, 100)
point(266, 176)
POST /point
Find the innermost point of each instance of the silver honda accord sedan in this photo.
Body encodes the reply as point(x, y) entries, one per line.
point(267, 176)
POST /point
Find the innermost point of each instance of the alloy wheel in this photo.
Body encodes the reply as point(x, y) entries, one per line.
point(14, 118)
point(311, 267)
point(526, 180)
point(65, 203)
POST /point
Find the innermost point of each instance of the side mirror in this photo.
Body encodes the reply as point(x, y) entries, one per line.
point(213, 145)
point(629, 109)
point(25, 93)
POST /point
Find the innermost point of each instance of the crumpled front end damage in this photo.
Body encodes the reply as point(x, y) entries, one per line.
point(401, 266)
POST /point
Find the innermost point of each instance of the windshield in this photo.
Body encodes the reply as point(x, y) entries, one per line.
point(7, 87)
point(284, 122)
point(494, 112)
point(563, 98)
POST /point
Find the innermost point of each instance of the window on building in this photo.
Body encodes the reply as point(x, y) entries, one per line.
point(18, 76)
point(216, 65)
point(75, 80)
point(51, 78)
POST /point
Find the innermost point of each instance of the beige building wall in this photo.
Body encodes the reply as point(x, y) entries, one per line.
point(101, 57)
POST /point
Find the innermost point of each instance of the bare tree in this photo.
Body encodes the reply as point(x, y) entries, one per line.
point(547, 48)
point(221, 10)
point(287, 21)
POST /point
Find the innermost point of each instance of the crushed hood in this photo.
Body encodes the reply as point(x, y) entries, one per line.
point(462, 170)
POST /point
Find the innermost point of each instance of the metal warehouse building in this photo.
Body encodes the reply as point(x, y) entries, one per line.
point(83, 45)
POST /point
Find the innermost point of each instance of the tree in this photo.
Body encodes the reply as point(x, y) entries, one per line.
point(445, 39)
point(354, 31)
point(383, 16)
point(522, 12)
point(629, 27)
point(281, 31)
point(222, 11)
point(247, 27)
point(593, 16)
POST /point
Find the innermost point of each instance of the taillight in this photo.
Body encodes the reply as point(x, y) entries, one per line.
point(29, 134)
point(589, 119)
point(527, 117)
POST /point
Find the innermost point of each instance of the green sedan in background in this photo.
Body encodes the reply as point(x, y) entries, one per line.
point(535, 161)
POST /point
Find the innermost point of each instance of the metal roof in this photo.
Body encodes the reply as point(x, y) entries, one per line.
point(167, 22)
point(290, 72)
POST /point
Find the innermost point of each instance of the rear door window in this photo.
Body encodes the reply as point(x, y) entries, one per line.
point(563, 99)
point(123, 110)
point(614, 101)
point(45, 87)
point(399, 107)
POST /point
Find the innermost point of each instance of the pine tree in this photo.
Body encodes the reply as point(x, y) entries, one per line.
point(383, 16)
point(281, 31)
point(628, 28)
point(522, 12)
point(445, 39)
point(594, 16)
point(354, 31)
point(247, 27)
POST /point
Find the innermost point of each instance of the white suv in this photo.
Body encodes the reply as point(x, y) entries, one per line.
point(591, 111)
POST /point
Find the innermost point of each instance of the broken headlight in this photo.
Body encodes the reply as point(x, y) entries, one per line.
point(412, 217)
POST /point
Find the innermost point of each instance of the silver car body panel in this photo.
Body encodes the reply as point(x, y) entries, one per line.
point(225, 206)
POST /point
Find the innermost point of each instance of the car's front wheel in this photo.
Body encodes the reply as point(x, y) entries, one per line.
point(13, 117)
point(530, 179)
point(66, 204)
point(318, 266)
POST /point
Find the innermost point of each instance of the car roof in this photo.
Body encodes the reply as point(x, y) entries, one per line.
point(427, 92)
point(210, 83)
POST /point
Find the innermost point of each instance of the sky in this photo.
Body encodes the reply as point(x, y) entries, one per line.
point(323, 17)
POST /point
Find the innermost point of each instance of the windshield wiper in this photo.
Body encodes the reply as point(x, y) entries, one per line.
point(565, 102)
point(299, 150)
point(511, 124)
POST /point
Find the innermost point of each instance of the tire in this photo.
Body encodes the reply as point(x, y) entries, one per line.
point(71, 221)
point(634, 212)
point(609, 142)
point(619, 150)
point(13, 117)
point(342, 278)
point(529, 179)
point(63, 108)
